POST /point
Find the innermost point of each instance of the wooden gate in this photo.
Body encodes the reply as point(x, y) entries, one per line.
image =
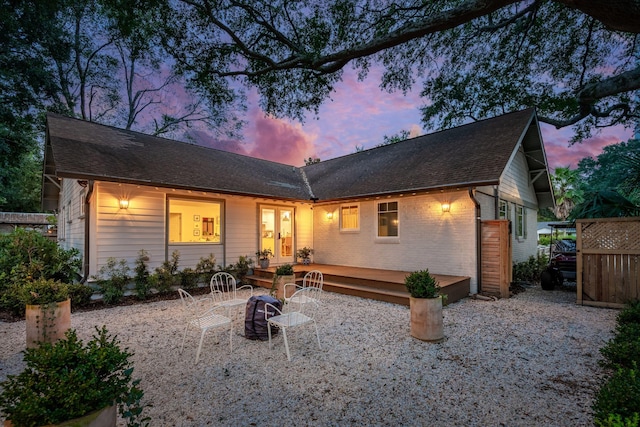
point(496, 258)
point(608, 261)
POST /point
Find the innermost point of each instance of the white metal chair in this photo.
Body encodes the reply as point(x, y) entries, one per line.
point(299, 314)
point(312, 279)
point(225, 292)
point(203, 319)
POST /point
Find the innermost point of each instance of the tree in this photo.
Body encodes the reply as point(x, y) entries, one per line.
point(400, 136)
point(616, 169)
point(566, 190)
point(576, 61)
point(311, 161)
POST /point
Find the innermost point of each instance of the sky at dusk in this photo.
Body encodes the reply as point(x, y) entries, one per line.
point(360, 114)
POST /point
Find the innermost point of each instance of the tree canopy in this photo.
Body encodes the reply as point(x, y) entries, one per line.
point(576, 61)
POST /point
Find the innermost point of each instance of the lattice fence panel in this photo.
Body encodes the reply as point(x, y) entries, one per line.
point(608, 261)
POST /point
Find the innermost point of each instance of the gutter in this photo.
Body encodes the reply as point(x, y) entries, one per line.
point(478, 239)
point(87, 223)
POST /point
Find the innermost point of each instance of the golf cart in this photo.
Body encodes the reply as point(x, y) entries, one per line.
point(562, 257)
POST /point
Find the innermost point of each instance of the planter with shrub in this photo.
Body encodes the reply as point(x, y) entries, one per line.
point(69, 380)
point(284, 274)
point(425, 305)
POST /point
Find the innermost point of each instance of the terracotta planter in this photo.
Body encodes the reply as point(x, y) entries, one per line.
point(426, 319)
point(47, 323)
point(280, 282)
point(105, 417)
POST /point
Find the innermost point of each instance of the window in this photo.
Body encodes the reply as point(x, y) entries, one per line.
point(521, 222)
point(388, 219)
point(83, 200)
point(350, 217)
point(194, 221)
point(504, 210)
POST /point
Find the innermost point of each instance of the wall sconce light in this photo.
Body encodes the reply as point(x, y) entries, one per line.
point(329, 215)
point(124, 203)
point(446, 207)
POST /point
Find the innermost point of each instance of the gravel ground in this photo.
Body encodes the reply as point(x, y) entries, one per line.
point(530, 360)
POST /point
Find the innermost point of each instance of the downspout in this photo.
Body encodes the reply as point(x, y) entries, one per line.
point(478, 239)
point(87, 227)
point(496, 201)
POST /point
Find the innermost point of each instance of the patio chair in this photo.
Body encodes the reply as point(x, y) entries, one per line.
point(203, 319)
point(225, 292)
point(299, 314)
point(312, 279)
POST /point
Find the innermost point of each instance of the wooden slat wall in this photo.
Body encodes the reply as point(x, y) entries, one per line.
point(496, 258)
point(608, 264)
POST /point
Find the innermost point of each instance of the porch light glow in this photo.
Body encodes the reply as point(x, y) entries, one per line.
point(124, 203)
point(329, 215)
point(446, 207)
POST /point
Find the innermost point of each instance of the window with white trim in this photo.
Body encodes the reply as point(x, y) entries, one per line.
point(388, 219)
point(521, 222)
point(350, 217)
point(503, 210)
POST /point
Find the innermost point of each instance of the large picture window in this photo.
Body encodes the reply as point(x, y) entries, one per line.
point(195, 221)
point(349, 217)
point(388, 219)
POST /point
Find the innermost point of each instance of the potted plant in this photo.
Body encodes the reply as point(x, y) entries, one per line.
point(47, 305)
point(284, 274)
point(425, 306)
point(304, 254)
point(263, 257)
point(68, 380)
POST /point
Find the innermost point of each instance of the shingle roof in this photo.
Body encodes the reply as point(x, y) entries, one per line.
point(470, 155)
point(85, 150)
point(473, 154)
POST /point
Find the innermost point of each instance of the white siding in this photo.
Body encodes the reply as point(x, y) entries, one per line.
point(70, 217)
point(516, 188)
point(445, 243)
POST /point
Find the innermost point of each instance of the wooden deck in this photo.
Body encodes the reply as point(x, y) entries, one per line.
point(377, 284)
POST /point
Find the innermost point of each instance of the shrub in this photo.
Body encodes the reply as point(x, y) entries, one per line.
point(421, 284)
point(284, 270)
point(27, 254)
point(206, 267)
point(80, 295)
point(530, 270)
point(141, 278)
point(167, 273)
point(112, 279)
point(623, 350)
point(242, 267)
point(188, 278)
point(630, 313)
point(618, 400)
point(67, 380)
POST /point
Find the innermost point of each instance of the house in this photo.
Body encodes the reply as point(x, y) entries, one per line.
point(411, 205)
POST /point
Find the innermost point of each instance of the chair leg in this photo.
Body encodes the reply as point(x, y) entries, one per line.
point(184, 336)
point(317, 334)
point(231, 338)
point(200, 346)
point(286, 343)
point(269, 331)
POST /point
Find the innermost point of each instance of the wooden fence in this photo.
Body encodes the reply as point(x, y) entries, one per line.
point(496, 258)
point(608, 261)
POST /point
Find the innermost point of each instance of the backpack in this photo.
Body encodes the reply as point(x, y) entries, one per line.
point(255, 325)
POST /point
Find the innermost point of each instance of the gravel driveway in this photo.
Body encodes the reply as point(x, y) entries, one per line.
point(530, 360)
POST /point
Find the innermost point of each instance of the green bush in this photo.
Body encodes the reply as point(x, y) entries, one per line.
point(630, 313)
point(80, 295)
point(188, 278)
point(242, 267)
point(284, 270)
point(530, 270)
point(206, 267)
point(618, 400)
point(421, 284)
point(623, 350)
point(27, 254)
point(141, 278)
point(113, 278)
point(166, 274)
point(67, 380)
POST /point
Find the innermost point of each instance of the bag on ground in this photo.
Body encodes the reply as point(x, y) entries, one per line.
point(255, 325)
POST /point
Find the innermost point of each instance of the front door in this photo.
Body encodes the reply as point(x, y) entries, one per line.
point(276, 231)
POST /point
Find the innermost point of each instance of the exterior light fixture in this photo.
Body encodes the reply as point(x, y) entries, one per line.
point(329, 215)
point(446, 207)
point(124, 203)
